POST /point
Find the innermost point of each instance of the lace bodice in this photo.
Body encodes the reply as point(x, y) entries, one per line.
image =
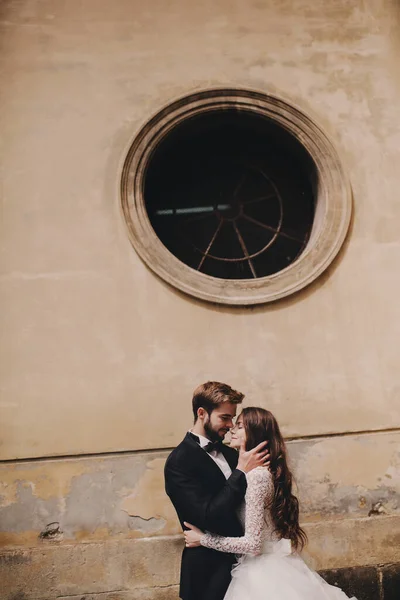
point(255, 516)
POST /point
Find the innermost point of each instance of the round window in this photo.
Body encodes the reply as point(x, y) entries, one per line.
point(235, 197)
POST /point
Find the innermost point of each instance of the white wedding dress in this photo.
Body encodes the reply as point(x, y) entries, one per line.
point(267, 569)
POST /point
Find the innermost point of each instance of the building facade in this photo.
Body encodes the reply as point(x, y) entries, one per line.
point(99, 355)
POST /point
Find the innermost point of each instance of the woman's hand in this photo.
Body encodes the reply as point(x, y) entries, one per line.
point(192, 535)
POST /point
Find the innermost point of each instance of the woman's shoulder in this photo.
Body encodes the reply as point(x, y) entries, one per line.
point(259, 474)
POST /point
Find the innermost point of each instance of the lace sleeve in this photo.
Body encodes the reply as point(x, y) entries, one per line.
point(260, 491)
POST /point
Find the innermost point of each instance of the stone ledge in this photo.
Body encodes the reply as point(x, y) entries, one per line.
point(56, 570)
point(157, 593)
point(379, 582)
point(344, 543)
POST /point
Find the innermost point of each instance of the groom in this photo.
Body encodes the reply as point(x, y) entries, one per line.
point(206, 482)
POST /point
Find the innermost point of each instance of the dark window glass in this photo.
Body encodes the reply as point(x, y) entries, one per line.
point(230, 194)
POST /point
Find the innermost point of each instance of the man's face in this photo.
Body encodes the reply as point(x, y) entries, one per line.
point(220, 421)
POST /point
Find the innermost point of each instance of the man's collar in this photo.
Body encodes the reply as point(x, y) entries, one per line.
point(200, 439)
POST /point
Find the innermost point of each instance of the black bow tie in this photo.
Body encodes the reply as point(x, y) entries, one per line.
point(210, 446)
point(213, 446)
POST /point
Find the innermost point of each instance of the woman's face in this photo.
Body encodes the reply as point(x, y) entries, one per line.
point(238, 434)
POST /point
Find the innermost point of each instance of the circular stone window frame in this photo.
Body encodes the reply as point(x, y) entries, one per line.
point(333, 206)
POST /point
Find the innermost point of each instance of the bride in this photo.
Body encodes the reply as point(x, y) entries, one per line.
point(269, 566)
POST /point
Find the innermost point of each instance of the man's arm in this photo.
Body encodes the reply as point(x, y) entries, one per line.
point(190, 498)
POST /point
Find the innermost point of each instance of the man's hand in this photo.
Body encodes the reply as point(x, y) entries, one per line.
point(257, 457)
point(192, 536)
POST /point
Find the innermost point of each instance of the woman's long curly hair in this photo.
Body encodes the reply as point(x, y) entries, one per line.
point(260, 425)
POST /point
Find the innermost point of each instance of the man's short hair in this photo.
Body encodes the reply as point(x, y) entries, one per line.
point(211, 394)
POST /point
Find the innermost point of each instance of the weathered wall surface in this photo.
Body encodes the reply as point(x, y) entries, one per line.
point(99, 356)
point(88, 326)
point(96, 498)
point(116, 530)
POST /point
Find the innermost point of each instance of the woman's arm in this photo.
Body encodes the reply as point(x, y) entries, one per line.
point(260, 489)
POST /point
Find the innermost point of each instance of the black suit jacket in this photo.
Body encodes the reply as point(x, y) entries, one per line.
point(203, 497)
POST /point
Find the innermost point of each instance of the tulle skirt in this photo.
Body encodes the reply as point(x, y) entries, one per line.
point(277, 574)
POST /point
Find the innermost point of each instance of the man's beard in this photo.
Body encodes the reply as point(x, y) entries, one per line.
point(212, 435)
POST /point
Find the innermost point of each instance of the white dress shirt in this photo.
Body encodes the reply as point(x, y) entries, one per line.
point(217, 457)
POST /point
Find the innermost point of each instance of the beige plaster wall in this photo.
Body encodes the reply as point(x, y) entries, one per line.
point(97, 354)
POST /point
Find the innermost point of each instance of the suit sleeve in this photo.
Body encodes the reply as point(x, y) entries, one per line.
point(199, 507)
